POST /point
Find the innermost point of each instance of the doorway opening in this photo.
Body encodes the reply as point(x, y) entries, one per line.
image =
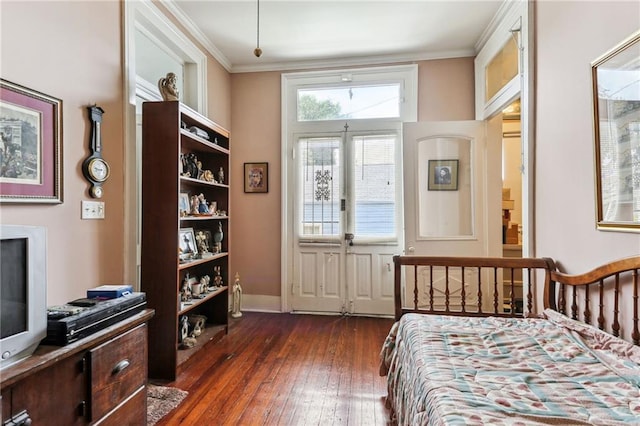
point(512, 170)
point(342, 213)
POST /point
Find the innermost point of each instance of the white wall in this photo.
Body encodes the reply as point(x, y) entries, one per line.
point(570, 35)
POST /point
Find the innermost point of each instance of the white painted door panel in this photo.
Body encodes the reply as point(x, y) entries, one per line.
point(449, 220)
point(347, 184)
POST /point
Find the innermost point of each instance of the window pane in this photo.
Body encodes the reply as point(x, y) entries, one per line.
point(502, 68)
point(375, 195)
point(320, 182)
point(381, 101)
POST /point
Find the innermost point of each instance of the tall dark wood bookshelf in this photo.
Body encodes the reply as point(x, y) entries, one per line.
point(171, 131)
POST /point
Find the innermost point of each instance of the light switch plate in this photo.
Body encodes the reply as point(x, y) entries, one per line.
point(92, 209)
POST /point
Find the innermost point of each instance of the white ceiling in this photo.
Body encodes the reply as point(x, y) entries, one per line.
point(318, 33)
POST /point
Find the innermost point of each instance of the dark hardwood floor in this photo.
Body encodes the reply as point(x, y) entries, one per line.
point(285, 369)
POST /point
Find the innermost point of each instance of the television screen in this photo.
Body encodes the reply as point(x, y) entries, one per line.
point(13, 286)
point(23, 291)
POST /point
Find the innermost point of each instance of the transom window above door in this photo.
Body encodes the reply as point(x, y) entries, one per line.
point(349, 102)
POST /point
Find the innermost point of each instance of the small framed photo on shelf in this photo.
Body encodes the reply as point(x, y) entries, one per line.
point(184, 206)
point(187, 248)
point(256, 177)
point(443, 175)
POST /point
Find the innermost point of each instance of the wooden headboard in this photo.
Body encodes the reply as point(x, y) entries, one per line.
point(617, 280)
point(606, 297)
point(442, 285)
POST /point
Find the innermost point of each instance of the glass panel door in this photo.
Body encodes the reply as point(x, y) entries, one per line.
point(373, 188)
point(320, 183)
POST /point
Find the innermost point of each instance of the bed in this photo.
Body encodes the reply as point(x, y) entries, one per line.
point(450, 360)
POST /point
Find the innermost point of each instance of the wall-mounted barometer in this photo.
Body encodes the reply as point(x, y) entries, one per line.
point(95, 168)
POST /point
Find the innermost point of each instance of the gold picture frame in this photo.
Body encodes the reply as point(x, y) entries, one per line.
point(443, 175)
point(31, 130)
point(616, 107)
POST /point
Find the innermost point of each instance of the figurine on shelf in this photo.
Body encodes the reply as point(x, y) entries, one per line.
point(168, 87)
point(202, 205)
point(221, 175)
point(213, 208)
point(188, 342)
point(204, 284)
point(185, 291)
point(195, 205)
point(200, 172)
point(207, 176)
point(203, 244)
point(217, 279)
point(190, 165)
point(217, 238)
point(183, 328)
point(237, 298)
point(197, 324)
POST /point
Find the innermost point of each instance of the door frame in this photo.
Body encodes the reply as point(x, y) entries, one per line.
point(146, 17)
point(360, 290)
point(289, 81)
point(516, 20)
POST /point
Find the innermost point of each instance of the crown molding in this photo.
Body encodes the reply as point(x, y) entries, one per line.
point(502, 11)
point(197, 34)
point(351, 61)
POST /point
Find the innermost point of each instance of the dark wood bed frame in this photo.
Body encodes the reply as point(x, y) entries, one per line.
point(579, 291)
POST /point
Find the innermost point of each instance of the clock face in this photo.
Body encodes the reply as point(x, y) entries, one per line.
point(98, 170)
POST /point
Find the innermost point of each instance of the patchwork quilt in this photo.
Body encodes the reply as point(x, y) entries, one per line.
point(446, 370)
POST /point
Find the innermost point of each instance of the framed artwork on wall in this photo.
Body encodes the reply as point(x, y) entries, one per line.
point(31, 145)
point(443, 175)
point(256, 177)
point(616, 106)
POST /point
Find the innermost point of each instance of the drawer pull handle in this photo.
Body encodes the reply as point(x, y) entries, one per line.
point(120, 366)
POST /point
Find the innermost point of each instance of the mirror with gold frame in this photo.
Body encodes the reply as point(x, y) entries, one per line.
point(616, 101)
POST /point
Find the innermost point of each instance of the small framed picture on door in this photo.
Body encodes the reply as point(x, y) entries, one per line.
point(443, 175)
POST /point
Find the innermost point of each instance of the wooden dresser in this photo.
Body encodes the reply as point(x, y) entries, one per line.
point(100, 379)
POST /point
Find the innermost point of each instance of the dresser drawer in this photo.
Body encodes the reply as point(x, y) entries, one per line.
point(132, 411)
point(118, 369)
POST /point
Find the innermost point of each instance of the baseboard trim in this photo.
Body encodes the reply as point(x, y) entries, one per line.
point(261, 303)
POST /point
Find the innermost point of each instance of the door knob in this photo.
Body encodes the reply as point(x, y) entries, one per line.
point(349, 238)
point(411, 249)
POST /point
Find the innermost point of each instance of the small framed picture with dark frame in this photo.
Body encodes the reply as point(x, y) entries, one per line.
point(187, 247)
point(443, 175)
point(256, 177)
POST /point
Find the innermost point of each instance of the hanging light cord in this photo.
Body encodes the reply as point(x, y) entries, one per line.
point(257, 51)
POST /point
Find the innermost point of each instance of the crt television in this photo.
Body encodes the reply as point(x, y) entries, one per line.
point(23, 291)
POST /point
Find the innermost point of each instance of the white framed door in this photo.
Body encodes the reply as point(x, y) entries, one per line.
point(462, 216)
point(347, 221)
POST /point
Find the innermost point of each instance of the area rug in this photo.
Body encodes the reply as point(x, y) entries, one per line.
point(161, 400)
